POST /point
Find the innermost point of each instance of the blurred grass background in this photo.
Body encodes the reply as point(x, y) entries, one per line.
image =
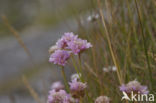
point(23, 14)
point(131, 28)
point(27, 17)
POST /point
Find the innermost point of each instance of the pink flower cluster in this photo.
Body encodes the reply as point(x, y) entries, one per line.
point(134, 86)
point(67, 45)
point(60, 57)
point(77, 88)
point(57, 94)
point(60, 97)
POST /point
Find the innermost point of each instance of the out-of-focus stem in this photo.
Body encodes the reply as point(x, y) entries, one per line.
point(81, 78)
point(65, 79)
point(109, 43)
point(78, 72)
point(79, 60)
point(144, 44)
point(15, 33)
point(31, 90)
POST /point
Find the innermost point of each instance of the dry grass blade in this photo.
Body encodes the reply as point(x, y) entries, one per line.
point(31, 90)
point(97, 78)
point(90, 69)
point(109, 43)
point(15, 33)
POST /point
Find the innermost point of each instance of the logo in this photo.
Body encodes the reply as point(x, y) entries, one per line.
point(138, 97)
point(125, 96)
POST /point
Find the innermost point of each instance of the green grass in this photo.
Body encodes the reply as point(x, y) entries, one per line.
point(132, 36)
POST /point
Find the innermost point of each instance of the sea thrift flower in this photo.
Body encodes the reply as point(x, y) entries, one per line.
point(76, 76)
point(70, 99)
point(57, 86)
point(69, 43)
point(134, 86)
point(59, 57)
point(65, 39)
point(57, 96)
point(53, 48)
point(79, 45)
point(102, 99)
point(77, 88)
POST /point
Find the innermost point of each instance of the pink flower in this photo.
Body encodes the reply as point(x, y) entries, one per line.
point(79, 45)
point(65, 39)
point(69, 43)
point(72, 42)
point(77, 88)
point(57, 96)
point(60, 97)
point(59, 57)
point(134, 86)
point(57, 86)
point(70, 99)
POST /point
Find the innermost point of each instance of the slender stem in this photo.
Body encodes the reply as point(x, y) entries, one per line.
point(65, 79)
point(82, 80)
point(144, 44)
point(109, 43)
point(18, 38)
point(81, 100)
point(78, 72)
point(79, 59)
point(31, 90)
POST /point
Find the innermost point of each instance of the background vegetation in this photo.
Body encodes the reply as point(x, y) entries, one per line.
point(124, 35)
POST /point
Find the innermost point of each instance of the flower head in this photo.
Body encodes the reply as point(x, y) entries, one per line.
point(57, 86)
point(76, 76)
point(70, 99)
point(134, 86)
point(77, 88)
point(57, 96)
point(60, 57)
point(79, 45)
point(65, 39)
point(102, 99)
point(69, 43)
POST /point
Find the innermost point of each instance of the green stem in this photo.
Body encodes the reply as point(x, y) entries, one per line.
point(65, 79)
point(82, 79)
point(78, 72)
point(144, 44)
point(79, 60)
